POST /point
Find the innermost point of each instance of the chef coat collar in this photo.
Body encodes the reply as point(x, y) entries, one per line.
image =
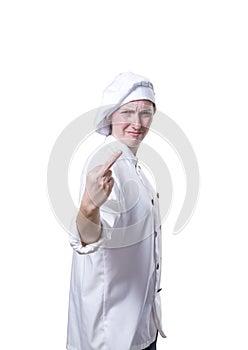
point(126, 152)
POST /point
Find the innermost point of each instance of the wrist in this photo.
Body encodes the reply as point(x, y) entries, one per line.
point(88, 208)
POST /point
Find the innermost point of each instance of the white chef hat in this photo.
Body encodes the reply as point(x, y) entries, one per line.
point(125, 88)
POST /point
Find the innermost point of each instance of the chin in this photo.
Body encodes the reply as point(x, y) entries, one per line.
point(132, 143)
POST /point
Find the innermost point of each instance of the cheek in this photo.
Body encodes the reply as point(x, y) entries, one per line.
point(119, 126)
point(146, 124)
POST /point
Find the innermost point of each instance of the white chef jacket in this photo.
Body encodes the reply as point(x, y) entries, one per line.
point(114, 300)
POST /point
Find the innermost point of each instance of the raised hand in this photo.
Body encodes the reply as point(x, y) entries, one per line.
point(99, 183)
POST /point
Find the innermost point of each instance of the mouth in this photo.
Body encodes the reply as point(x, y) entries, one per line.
point(134, 134)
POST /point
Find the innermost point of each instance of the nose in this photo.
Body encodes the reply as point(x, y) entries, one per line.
point(136, 121)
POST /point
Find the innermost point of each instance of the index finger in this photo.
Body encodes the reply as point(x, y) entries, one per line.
point(111, 161)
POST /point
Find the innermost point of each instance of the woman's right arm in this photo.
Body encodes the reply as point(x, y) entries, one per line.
point(99, 184)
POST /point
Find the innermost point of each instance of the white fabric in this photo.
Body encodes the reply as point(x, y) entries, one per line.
point(114, 300)
point(125, 88)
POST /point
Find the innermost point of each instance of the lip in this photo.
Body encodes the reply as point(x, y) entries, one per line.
point(133, 133)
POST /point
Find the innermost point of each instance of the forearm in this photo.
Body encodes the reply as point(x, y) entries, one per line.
point(88, 222)
point(99, 184)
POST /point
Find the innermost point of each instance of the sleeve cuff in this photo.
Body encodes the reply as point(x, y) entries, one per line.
point(76, 243)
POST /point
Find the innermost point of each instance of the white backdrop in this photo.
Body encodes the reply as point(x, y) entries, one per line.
point(56, 58)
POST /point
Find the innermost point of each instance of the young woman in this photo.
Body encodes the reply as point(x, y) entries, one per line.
point(116, 236)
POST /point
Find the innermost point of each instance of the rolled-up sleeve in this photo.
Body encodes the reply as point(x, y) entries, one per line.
point(76, 243)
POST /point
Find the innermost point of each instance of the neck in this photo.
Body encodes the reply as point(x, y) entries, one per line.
point(134, 150)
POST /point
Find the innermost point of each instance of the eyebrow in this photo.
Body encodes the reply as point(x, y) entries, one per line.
point(146, 109)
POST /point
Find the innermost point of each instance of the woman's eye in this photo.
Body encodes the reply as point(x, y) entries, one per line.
point(146, 114)
point(126, 113)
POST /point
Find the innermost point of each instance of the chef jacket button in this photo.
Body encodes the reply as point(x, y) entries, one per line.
point(152, 201)
point(157, 266)
point(157, 195)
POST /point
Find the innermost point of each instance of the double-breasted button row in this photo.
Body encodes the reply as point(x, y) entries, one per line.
point(152, 200)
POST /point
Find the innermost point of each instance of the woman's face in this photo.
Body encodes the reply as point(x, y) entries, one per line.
point(131, 122)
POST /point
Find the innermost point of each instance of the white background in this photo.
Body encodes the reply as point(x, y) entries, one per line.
point(56, 58)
